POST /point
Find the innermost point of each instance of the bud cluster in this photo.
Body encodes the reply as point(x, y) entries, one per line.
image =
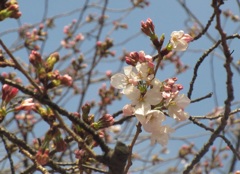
point(108, 95)
point(99, 126)
point(31, 38)
point(71, 42)
point(44, 70)
point(10, 10)
point(103, 48)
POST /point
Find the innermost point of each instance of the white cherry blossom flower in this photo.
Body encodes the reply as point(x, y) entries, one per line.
point(145, 72)
point(143, 102)
point(179, 40)
point(176, 107)
point(161, 135)
point(151, 121)
point(122, 81)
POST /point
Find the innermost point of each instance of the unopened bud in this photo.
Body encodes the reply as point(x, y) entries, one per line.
point(85, 111)
point(52, 59)
point(8, 93)
point(3, 113)
point(105, 121)
point(35, 58)
point(42, 156)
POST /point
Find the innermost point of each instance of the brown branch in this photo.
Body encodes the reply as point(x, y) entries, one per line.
point(20, 143)
point(204, 30)
point(38, 166)
point(216, 4)
point(8, 154)
point(129, 163)
point(19, 67)
point(202, 98)
point(95, 61)
point(74, 135)
point(60, 110)
point(193, 119)
point(201, 59)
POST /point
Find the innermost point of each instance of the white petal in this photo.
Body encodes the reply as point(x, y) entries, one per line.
point(153, 97)
point(161, 135)
point(177, 113)
point(119, 81)
point(182, 101)
point(133, 94)
point(142, 108)
point(127, 70)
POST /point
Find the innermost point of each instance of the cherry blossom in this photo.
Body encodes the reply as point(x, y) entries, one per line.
point(161, 135)
point(179, 40)
point(141, 101)
point(149, 96)
point(151, 120)
point(176, 107)
point(144, 71)
point(122, 81)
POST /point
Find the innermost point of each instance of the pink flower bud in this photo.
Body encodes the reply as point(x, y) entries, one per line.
point(66, 29)
point(132, 59)
point(8, 93)
point(150, 25)
point(35, 58)
point(214, 148)
point(99, 44)
point(105, 121)
point(108, 73)
point(128, 110)
point(79, 37)
point(42, 156)
point(66, 80)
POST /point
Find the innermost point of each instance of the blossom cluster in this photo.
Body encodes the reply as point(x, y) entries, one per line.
point(150, 97)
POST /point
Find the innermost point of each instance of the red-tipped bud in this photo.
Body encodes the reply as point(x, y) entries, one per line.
point(42, 156)
point(35, 58)
point(104, 122)
point(8, 93)
point(66, 80)
point(85, 111)
point(132, 59)
point(148, 27)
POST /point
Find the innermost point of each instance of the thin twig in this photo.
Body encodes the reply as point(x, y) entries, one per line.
point(202, 58)
point(216, 6)
point(60, 110)
point(129, 163)
point(19, 67)
point(202, 98)
point(8, 153)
